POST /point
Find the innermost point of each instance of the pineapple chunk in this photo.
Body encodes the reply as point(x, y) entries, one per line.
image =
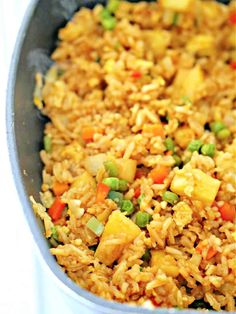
point(118, 233)
point(127, 169)
point(165, 262)
point(182, 214)
point(84, 179)
point(203, 45)
point(183, 136)
point(177, 5)
point(187, 82)
point(196, 184)
point(95, 162)
point(158, 41)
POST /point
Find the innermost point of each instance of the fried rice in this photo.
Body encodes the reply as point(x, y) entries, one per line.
point(138, 195)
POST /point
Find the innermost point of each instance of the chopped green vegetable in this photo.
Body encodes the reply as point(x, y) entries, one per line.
point(112, 182)
point(177, 159)
point(142, 219)
point(123, 185)
point(208, 150)
point(116, 197)
point(105, 14)
point(47, 141)
point(217, 126)
point(195, 145)
point(169, 143)
point(140, 198)
point(107, 20)
point(140, 268)
point(175, 19)
point(54, 233)
point(53, 242)
point(146, 256)
point(223, 134)
point(111, 168)
point(127, 206)
point(113, 5)
point(95, 226)
point(170, 197)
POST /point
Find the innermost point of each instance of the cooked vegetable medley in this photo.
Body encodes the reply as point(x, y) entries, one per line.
point(138, 191)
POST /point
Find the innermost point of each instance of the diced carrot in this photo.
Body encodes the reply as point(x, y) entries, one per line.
point(228, 212)
point(59, 188)
point(200, 247)
point(232, 18)
point(102, 192)
point(210, 253)
point(169, 153)
point(136, 74)
point(55, 211)
point(154, 302)
point(233, 65)
point(137, 192)
point(154, 129)
point(88, 133)
point(159, 174)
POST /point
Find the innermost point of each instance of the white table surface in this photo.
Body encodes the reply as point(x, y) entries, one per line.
point(26, 284)
point(17, 286)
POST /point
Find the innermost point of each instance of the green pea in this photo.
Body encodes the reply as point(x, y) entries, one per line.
point(111, 168)
point(170, 197)
point(217, 126)
point(127, 206)
point(116, 197)
point(195, 145)
point(142, 219)
point(169, 143)
point(146, 256)
point(112, 182)
point(208, 150)
point(223, 134)
point(47, 141)
point(123, 185)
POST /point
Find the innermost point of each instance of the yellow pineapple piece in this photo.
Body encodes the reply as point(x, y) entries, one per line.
point(203, 45)
point(187, 82)
point(84, 179)
point(183, 136)
point(177, 5)
point(195, 184)
point(127, 169)
point(165, 262)
point(118, 233)
point(95, 162)
point(182, 214)
point(158, 41)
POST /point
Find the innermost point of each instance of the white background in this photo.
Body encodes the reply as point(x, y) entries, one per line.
point(27, 286)
point(17, 286)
